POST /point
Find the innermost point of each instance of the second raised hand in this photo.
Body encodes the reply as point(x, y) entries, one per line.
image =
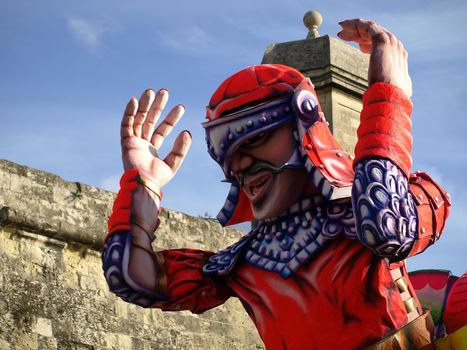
point(388, 57)
point(140, 140)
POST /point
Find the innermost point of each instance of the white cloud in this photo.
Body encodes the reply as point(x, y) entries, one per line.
point(90, 33)
point(196, 41)
point(192, 40)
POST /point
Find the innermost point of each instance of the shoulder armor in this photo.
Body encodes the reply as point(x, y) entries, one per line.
point(433, 205)
point(224, 261)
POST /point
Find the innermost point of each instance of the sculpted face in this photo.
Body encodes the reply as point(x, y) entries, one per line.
point(270, 193)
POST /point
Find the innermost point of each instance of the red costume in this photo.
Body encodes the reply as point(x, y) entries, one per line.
point(304, 278)
point(346, 298)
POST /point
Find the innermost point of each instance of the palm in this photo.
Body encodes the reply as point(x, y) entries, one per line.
point(141, 154)
point(140, 141)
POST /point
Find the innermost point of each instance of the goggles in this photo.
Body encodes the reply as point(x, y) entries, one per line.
point(224, 135)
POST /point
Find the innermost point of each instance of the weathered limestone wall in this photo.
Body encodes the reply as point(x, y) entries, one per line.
point(52, 291)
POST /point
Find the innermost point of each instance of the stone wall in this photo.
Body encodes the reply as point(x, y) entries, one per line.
point(52, 291)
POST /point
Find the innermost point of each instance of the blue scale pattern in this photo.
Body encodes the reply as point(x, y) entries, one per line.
point(386, 215)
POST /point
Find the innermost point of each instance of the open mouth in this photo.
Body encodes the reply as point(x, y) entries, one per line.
point(256, 186)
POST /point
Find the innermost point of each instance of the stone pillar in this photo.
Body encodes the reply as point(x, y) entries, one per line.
point(338, 71)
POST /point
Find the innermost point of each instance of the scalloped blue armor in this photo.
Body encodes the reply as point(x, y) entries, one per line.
point(385, 213)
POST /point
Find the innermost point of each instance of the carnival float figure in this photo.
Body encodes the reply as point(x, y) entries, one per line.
point(324, 266)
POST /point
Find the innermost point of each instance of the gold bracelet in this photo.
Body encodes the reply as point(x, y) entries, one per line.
point(150, 186)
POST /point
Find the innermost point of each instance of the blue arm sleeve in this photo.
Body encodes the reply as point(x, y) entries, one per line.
point(115, 261)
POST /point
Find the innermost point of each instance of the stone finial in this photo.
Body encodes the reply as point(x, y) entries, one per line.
point(312, 20)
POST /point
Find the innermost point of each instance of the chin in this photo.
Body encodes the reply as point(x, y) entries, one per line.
point(287, 188)
point(261, 216)
point(271, 207)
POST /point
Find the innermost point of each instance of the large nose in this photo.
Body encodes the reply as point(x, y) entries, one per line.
point(240, 161)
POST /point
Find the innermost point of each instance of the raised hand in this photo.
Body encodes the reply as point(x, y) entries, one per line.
point(140, 141)
point(388, 57)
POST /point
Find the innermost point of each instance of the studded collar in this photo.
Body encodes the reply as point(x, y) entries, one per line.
point(285, 243)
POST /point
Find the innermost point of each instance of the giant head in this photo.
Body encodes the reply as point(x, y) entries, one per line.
point(265, 127)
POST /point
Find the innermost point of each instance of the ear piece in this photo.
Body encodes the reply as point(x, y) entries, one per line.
point(305, 106)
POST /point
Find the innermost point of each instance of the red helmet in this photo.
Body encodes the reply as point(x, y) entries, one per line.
point(258, 99)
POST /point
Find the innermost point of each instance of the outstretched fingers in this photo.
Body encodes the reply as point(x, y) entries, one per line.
point(145, 103)
point(179, 151)
point(167, 125)
point(154, 113)
point(126, 128)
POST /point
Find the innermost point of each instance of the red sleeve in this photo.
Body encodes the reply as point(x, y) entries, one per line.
point(433, 204)
point(385, 126)
point(184, 283)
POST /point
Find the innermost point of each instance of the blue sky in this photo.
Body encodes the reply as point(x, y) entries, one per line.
point(68, 68)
